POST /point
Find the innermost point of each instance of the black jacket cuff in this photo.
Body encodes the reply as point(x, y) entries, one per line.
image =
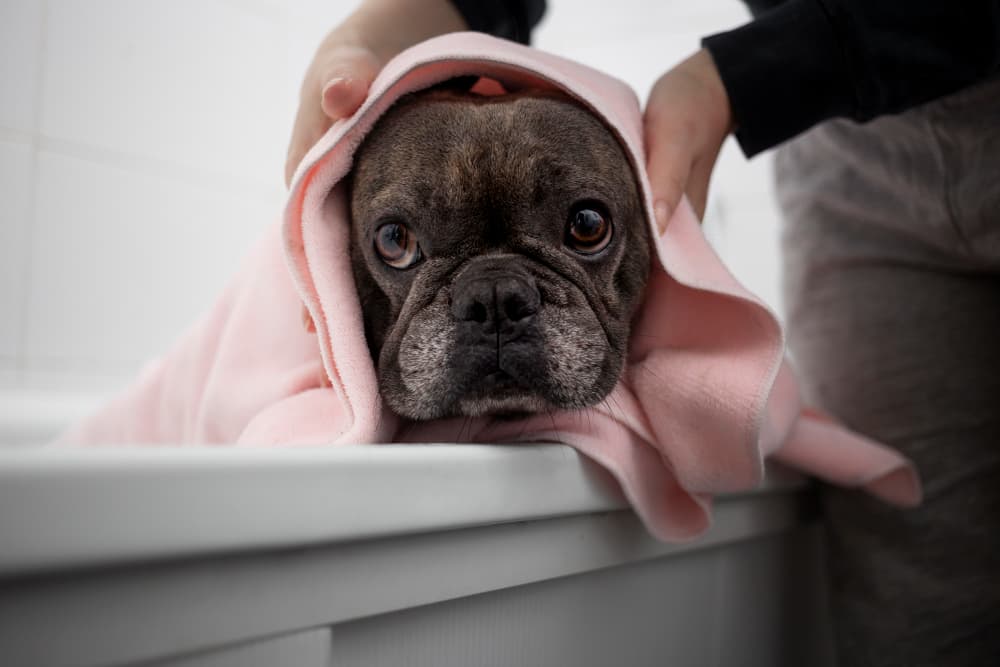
point(784, 72)
point(510, 19)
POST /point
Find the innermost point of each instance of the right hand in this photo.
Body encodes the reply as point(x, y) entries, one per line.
point(351, 55)
point(687, 118)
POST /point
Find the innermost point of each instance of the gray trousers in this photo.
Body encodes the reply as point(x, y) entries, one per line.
point(891, 244)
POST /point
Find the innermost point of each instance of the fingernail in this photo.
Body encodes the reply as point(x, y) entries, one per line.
point(662, 213)
point(335, 82)
point(334, 88)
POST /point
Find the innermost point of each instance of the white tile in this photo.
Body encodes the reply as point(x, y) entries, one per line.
point(630, 19)
point(638, 61)
point(308, 23)
point(20, 32)
point(188, 82)
point(634, 40)
point(750, 245)
point(15, 183)
point(738, 175)
point(8, 374)
point(122, 262)
point(735, 177)
point(272, 10)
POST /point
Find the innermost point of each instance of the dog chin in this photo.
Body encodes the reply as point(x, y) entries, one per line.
point(509, 407)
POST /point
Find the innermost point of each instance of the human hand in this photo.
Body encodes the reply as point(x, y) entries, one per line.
point(351, 55)
point(686, 120)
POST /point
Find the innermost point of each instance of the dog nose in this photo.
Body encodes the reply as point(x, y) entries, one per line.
point(498, 301)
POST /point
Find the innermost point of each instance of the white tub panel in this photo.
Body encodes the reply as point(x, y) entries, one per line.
point(119, 615)
point(680, 611)
point(647, 614)
point(305, 649)
point(86, 507)
point(118, 556)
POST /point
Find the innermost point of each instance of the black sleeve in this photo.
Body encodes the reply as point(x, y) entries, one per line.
point(510, 19)
point(809, 60)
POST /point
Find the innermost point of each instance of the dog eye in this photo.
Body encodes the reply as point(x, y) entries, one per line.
point(397, 245)
point(588, 232)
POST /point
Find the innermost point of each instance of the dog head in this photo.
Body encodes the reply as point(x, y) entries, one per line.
point(500, 251)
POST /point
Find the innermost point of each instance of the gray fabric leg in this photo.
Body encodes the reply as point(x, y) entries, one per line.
point(892, 288)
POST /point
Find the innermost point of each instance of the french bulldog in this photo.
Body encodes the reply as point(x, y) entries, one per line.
point(500, 251)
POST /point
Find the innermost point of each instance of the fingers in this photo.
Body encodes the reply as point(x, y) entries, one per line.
point(677, 168)
point(334, 87)
point(698, 182)
point(351, 55)
point(346, 76)
point(686, 120)
point(669, 169)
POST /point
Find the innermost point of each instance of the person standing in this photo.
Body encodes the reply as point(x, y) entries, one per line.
point(886, 116)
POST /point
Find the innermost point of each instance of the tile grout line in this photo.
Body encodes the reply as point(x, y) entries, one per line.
point(29, 221)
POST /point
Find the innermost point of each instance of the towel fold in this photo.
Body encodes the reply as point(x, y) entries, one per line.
point(705, 396)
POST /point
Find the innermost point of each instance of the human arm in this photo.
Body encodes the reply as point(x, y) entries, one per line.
point(809, 60)
point(803, 62)
point(351, 55)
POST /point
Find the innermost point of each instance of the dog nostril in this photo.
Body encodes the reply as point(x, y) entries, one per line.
point(495, 300)
point(478, 312)
point(517, 308)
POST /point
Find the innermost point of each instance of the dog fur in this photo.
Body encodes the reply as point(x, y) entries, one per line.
point(502, 315)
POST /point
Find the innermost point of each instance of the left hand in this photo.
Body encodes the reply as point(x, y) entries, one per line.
point(686, 120)
point(351, 55)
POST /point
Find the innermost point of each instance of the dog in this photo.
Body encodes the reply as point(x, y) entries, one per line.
point(500, 251)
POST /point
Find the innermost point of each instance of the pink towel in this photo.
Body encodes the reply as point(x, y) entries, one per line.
point(705, 396)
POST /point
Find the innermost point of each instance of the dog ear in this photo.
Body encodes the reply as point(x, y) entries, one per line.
point(458, 84)
point(471, 85)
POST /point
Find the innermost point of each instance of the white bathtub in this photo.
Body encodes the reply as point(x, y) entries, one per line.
point(431, 555)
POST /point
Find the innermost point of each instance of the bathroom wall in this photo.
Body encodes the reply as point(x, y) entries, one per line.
point(142, 149)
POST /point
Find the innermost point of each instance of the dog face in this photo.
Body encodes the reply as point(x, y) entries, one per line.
point(500, 250)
